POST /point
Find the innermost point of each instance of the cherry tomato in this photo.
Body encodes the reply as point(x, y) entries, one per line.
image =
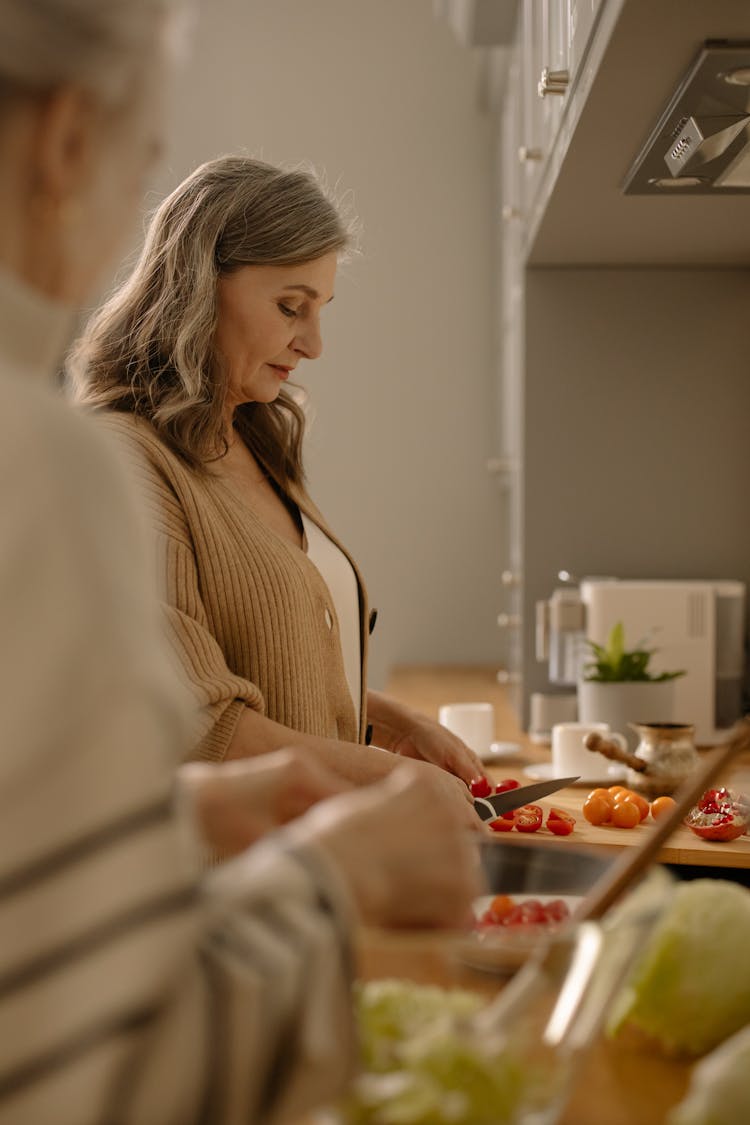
point(636, 799)
point(603, 793)
point(528, 818)
point(661, 806)
point(556, 911)
point(480, 787)
point(625, 815)
point(615, 789)
point(506, 784)
point(502, 824)
point(597, 810)
point(560, 823)
point(500, 907)
point(530, 912)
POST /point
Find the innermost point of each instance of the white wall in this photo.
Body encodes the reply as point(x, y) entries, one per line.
point(380, 97)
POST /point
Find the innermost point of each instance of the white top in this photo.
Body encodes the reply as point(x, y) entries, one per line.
point(121, 967)
point(338, 574)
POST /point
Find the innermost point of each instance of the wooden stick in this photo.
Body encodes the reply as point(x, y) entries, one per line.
point(634, 861)
point(611, 750)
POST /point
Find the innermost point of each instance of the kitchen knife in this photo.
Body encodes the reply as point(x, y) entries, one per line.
point(489, 808)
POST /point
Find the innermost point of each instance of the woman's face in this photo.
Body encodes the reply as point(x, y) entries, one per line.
point(268, 320)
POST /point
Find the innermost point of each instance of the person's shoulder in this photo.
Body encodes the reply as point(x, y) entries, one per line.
point(141, 445)
point(58, 469)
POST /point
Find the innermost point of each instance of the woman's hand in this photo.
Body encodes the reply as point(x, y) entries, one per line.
point(412, 735)
point(237, 802)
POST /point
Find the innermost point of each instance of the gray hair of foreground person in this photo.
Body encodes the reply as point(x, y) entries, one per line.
point(99, 46)
point(149, 350)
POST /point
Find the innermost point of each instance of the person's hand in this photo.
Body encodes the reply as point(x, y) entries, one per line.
point(403, 849)
point(237, 802)
point(413, 735)
point(425, 740)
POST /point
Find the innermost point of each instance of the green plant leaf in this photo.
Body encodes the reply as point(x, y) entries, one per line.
point(614, 664)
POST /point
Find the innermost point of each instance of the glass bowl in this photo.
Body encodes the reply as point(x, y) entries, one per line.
point(527, 870)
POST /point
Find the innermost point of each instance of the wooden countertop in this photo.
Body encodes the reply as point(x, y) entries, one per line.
point(619, 1083)
point(426, 688)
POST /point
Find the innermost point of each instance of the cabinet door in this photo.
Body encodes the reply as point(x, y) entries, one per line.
point(581, 19)
point(531, 149)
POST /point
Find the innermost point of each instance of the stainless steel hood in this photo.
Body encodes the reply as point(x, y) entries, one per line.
point(701, 143)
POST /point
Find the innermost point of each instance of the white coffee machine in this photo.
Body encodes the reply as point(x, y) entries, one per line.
point(698, 626)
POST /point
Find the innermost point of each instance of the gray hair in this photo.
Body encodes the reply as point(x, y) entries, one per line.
point(96, 44)
point(150, 350)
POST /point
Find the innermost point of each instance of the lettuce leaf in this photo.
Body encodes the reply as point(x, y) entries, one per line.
point(690, 989)
point(719, 1091)
point(420, 1067)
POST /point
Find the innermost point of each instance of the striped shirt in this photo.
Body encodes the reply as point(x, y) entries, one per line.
point(133, 989)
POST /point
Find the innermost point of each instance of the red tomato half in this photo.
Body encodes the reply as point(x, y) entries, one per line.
point(528, 818)
point(501, 824)
point(507, 784)
point(560, 823)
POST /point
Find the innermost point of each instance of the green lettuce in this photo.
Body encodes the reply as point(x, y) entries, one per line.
point(420, 1068)
point(690, 989)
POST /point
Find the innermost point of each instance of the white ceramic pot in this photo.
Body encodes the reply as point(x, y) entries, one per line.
point(646, 702)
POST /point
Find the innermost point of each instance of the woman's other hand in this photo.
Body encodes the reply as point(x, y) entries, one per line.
point(237, 802)
point(403, 849)
point(413, 735)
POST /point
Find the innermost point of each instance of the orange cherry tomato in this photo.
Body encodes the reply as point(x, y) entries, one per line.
point(660, 806)
point(596, 810)
point(636, 799)
point(605, 793)
point(615, 789)
point(500, 907)
point(626, 815)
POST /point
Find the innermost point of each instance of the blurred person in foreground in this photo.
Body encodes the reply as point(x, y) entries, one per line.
point(188, 362)
point(133, 988)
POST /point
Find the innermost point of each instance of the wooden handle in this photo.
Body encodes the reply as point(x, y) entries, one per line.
point(634, 861)
point(613, 751)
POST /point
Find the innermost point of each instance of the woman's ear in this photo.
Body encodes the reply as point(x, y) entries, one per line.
point(64, 144)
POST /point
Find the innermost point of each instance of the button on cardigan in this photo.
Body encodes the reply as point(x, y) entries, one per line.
point(248, 612)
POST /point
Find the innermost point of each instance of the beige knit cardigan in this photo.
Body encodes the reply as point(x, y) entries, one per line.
point(251, 618)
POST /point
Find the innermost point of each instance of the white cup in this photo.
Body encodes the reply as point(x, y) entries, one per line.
point(472, 722)
point(570, 757)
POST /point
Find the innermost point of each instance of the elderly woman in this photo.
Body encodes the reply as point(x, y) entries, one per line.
point(192, 357)
point(133, 988)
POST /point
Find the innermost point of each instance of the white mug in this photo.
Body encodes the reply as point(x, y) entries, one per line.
point(570, 757)
point(472, 722)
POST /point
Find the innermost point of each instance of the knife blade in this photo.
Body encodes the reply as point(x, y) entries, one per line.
point(489, 808)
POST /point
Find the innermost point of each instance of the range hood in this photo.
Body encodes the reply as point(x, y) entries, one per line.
point(701, 143)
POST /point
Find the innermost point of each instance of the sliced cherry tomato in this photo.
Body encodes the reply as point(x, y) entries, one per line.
point(560, 823)
point(528, 818)
point(480, 787)
point(502, 824)
point(507, 784)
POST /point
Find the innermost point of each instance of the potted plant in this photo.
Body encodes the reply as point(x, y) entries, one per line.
point(618, 688)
